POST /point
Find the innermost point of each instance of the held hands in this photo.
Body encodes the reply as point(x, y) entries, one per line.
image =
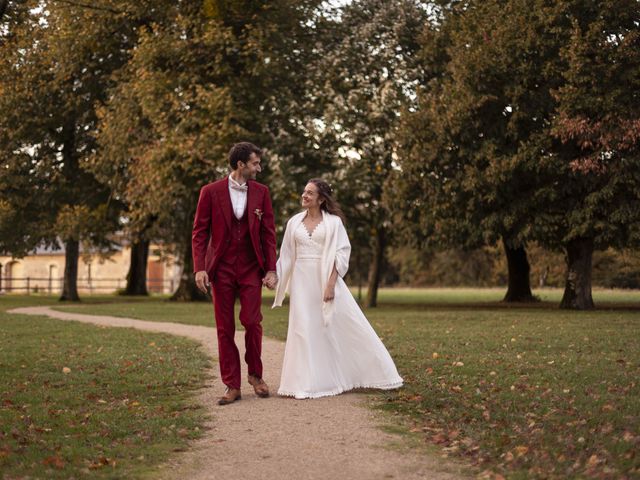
point(329, 292)
point(270, 280)
point(202, 281)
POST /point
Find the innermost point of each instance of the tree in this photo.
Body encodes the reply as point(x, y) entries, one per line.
point(193, 87)
point(171, 125)
point(500, 148)
point(110, 162)
point(55, 66)
point(598, 125)
point(469, 176)
point(364, 72)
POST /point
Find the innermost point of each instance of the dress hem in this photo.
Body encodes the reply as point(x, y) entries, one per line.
point(338, 391)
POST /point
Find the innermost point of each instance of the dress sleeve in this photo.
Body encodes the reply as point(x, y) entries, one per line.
point(284, 265)
point(343, 250)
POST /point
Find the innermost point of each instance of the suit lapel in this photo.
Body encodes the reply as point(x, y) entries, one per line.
point(252, 204)
point(224, 200)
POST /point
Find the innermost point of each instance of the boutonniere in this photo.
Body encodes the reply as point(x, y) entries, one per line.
point(258, 213)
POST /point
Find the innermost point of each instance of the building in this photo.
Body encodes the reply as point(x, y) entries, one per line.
point(43, 271)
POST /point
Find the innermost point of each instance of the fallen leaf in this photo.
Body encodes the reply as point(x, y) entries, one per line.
point(467, 442)
point(439, 438)
point(606, 428)
point(53, 461)
point(593, 461)
point(521, 450)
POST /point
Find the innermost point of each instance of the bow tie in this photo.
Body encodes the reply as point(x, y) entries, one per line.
point(240, 188)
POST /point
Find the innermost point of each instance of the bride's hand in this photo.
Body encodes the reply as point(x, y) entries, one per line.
point(329, 293)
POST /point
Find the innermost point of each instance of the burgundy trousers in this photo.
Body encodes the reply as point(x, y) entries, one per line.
point(241, 279)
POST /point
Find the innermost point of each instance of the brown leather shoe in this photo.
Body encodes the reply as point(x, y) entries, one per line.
point(260, 387)
point(230, 396)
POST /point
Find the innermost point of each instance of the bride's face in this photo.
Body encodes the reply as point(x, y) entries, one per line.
point(310, 196)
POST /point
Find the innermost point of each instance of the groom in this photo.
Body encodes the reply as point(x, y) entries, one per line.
point(234, 251)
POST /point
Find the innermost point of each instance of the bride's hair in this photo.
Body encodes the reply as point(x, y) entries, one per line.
point(329, 205)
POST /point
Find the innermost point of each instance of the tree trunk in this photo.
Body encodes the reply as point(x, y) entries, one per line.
point(3, 7)
point(187, 290)
point(70, 285)
point(375, 267)
point(519, 288)
point(137, 276)
point(577, 290)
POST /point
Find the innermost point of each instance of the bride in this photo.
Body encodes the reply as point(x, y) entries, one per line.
point(331, 347)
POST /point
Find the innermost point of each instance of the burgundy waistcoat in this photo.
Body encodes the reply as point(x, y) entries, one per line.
point(239, 243)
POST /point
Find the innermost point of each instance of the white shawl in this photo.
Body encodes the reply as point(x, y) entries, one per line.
point(336, 252)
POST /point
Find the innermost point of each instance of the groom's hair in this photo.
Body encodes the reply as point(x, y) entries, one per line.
point(241, 152)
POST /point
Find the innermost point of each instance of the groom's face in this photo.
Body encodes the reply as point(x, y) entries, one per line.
point(250, 168)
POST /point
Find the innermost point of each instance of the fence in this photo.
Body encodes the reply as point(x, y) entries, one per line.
point(91, 285)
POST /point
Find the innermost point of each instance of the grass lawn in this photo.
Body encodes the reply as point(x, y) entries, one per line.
point(527, 393)
point(523, 391)
point(549, 296)
point(79, 401)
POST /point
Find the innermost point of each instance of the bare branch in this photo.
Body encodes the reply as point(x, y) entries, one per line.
point(91, 7)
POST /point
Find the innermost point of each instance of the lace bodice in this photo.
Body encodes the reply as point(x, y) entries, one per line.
point(309, 244)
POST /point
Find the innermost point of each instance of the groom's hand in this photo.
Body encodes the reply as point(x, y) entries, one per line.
point(270, 280)
point(202, 281)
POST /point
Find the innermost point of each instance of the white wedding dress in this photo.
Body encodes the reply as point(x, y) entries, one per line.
point(321, 359)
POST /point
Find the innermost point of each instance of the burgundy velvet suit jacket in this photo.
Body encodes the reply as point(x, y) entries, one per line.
point(211, 226)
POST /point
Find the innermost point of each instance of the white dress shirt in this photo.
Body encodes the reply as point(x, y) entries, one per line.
point(238, 194)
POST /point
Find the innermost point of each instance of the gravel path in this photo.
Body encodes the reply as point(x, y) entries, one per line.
point(283, 438)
